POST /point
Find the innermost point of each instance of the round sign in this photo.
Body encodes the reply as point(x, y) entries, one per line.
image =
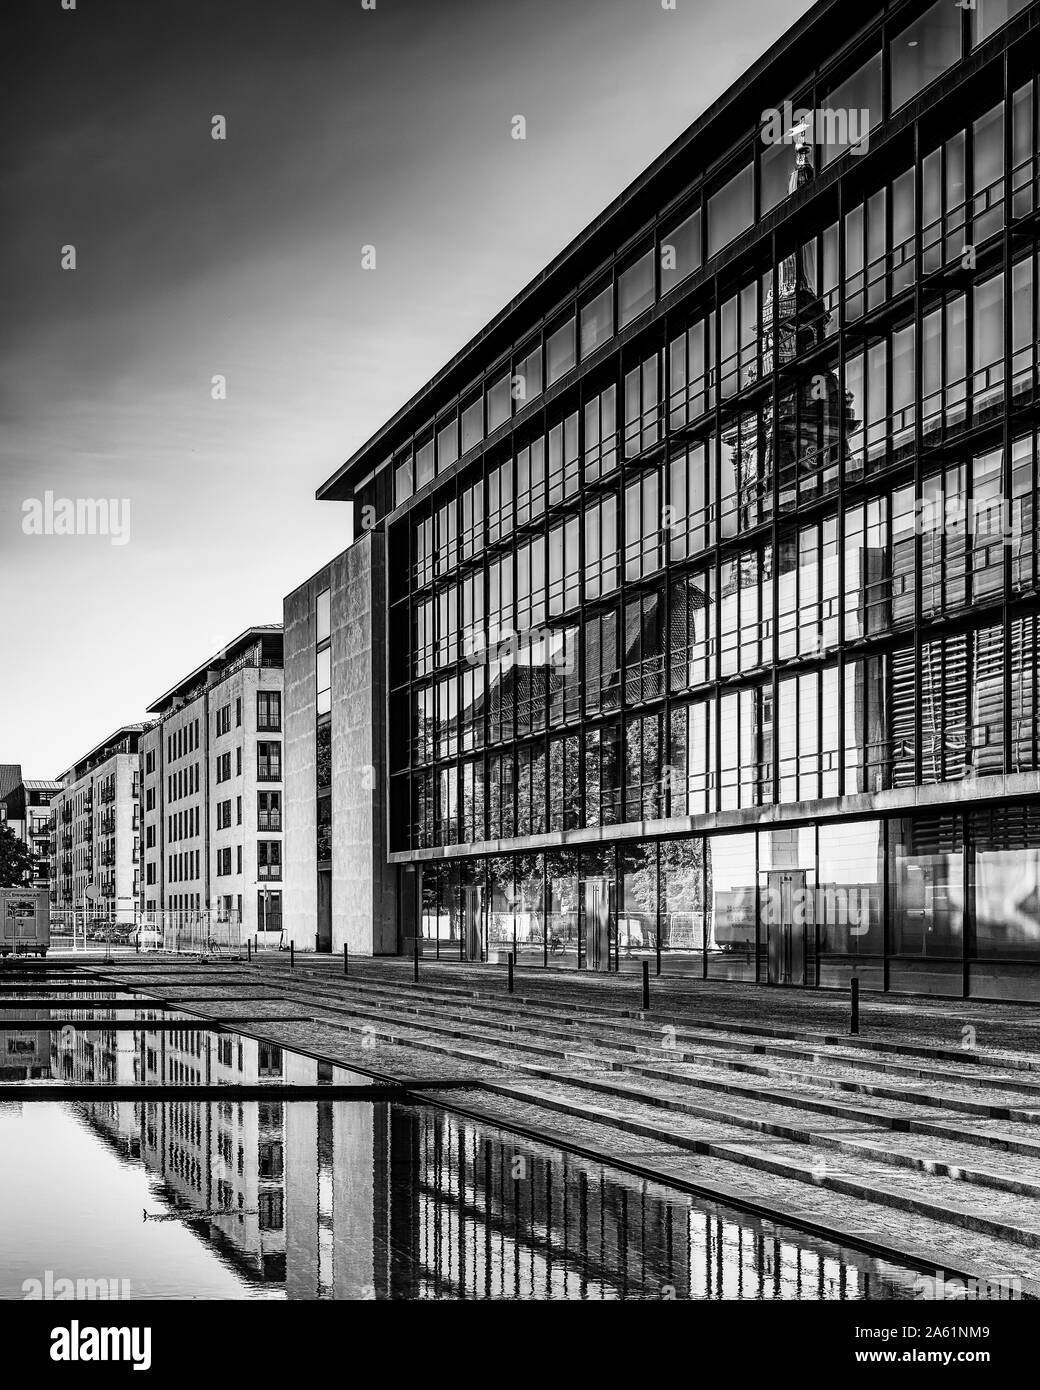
point(93, 892)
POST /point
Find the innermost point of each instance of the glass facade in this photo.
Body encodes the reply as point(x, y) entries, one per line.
point(725, 649)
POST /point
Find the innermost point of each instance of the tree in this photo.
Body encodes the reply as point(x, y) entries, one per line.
point(16, 861)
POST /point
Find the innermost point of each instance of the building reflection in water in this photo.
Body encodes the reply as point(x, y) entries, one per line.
point(344, 1199)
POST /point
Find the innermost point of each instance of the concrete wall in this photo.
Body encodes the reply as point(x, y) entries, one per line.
point(364, 907)
point(300, 903)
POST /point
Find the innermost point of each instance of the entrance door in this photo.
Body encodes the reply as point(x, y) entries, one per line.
point(472, 921)
point(789, 922)
point(598, 923)
point(324, 941)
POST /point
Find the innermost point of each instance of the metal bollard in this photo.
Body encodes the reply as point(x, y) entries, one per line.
point(509, 962)
point(415, 960)
point(646, 984)
point(854, 1024)
point(317, 942)
point(346, 960)
point(292, 955)
point(249, 949)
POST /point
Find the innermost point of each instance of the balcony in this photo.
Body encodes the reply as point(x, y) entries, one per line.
point(269, 820)
point(268, 772)
point(268, 723)
point(269, 871)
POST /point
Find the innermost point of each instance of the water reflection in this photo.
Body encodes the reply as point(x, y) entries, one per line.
point(345, 1199)
point(244, 1197)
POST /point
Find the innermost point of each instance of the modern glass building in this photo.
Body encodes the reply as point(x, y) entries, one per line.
point(711, 613)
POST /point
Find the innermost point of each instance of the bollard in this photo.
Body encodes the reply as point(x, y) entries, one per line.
point(646, 984)
point(137, 944)
point(658, 953)
point(415, 960)
point(346, 960)
point(509, 962)
point(854, 1025)
point(292, 955)
point(249, 949)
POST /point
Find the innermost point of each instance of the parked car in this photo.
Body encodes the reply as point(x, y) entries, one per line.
point(147, 938)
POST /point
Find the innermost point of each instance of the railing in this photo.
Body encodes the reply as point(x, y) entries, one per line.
point(269, 820)
point(269, 871)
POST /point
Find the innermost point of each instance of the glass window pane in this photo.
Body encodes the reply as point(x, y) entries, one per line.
point(636, 289)
point(851, 111)
point(597, 320)
point(731, 209)
point(560, 356)
point(680, 251)
point(323, 616)
point(924, 50)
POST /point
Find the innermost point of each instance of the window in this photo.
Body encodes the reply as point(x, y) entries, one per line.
point(924, 50)
point(424, 464)
point(597, 320)
point(223, 725)
point(731, 210)
point(601, 435)
point(268, 709)
point(323, 680)
point(403, 482)
point(988, 15)
point(447, 443)
point(851, 111)
point(500, 502)
point(224, 767)
point(224, 861)
point(499, 403)
point(268, 858)
point(268, 811)
point(642, 392)
point(691, 381)
point(680, 252)
point(530, 481)
point(471, 502)
point(601, 558)
point(472, 424)
point(642, 527)
point(560, 354)
point(564, 588)
point(563, 459)
point(323, 616)
point(636, 289)
point(527, 377)
point(268, 762)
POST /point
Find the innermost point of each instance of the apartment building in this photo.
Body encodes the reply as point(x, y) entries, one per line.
point(211, 778)
point(712, 586)
point(25, 809)
point(96, 818)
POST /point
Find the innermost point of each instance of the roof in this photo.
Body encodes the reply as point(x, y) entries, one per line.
point(115, 737)
point(10, 779)
point(694, 150)
point(43, 786)
point(226, 654)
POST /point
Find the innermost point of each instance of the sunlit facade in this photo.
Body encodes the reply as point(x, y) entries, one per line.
point(712, 610)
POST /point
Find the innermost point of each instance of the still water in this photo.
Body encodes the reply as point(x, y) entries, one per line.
point(242, 1196)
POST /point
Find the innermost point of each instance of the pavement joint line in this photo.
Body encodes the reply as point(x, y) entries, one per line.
point(480, 1085)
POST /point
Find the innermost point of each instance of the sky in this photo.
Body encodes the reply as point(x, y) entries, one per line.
point(241, 259)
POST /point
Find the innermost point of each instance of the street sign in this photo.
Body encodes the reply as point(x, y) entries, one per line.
point(93, 892)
